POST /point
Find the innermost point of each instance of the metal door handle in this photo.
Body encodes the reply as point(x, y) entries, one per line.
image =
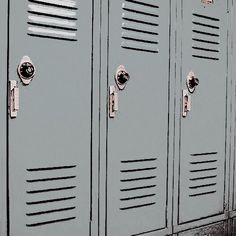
point(186, 97)
point(14, 105)
point(113, 101)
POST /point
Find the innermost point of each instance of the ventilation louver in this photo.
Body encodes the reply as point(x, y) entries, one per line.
point(51, 195)
point(138, 183)
point(140, 26)
point(206, 37)
point(203, 174)
point(54, 19)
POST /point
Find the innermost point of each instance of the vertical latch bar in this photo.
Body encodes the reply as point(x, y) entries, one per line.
point(186, 99)
point(113, 101)
point(14, 105)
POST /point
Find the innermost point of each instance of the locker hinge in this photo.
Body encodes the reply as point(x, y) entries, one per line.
point(13, 98)
point(113, 101)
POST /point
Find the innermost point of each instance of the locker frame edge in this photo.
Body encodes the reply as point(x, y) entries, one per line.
point(3, 116)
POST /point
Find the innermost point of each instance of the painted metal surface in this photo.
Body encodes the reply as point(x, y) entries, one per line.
point(202, 142)
point(137, 136)
point(49, 141)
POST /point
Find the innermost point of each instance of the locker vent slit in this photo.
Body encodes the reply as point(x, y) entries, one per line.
point(202, 186)
point(139, 160)
point(50, 200)
point(138, 178)
point(141, 169)
point(140, 26)
point(52, 19)
point(137, 197)
point(200, 194)
point(50, 211)
point(138, 206)
point(204, 153)
point(50, 179)
point(137, 188)
point(206, 37)
point(204, 177)
point(51, 168)
point(50, 190)
point(50, 222)
point(63, 4)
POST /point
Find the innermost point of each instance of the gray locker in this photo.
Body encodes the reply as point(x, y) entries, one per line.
point(117, 117)
point(137, 134)
point(49, 140)
point(203, 130)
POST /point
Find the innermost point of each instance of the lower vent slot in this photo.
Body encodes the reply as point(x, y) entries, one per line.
point(137, 188)
point(50, 200)
point(50, 190)
point(137, 179)
point(203, 177)
point(137, 197)
point(201, 194)
point(138, 206)
point(202, 186)
point(50, 179)
point(50, 211)
point(50, 222)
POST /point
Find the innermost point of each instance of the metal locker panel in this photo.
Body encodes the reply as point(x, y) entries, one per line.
point(49, 140)
point(137, 135)
point(202, 142)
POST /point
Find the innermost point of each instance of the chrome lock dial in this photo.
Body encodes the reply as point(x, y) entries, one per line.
point(26, 70)
point(121, 77)
point(192, 82)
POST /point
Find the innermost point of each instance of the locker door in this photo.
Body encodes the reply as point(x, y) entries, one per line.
point(202, 143)
point(49, 140)
point(137, 135)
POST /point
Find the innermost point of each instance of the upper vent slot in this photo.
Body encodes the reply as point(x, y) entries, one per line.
point(55, 19)
point(206, 37)
point(140, 25)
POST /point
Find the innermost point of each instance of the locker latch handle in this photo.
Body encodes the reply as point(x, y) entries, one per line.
point(186, 103)
point(113, 101)
point(13, 98)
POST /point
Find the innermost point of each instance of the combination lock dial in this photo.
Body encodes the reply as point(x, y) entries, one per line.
point(26, 70)
point(121, 77)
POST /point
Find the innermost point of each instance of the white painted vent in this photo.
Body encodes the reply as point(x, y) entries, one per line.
point(54, 19)
point(51, 195)
point(138, 183)
point(206, 37)
point(140, 25)
point(203, 174)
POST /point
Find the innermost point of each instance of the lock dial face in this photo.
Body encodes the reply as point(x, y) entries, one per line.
point(26, 70)
point(192, 82)
point(121, 77)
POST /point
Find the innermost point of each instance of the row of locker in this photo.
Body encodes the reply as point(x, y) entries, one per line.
point(117, 116)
